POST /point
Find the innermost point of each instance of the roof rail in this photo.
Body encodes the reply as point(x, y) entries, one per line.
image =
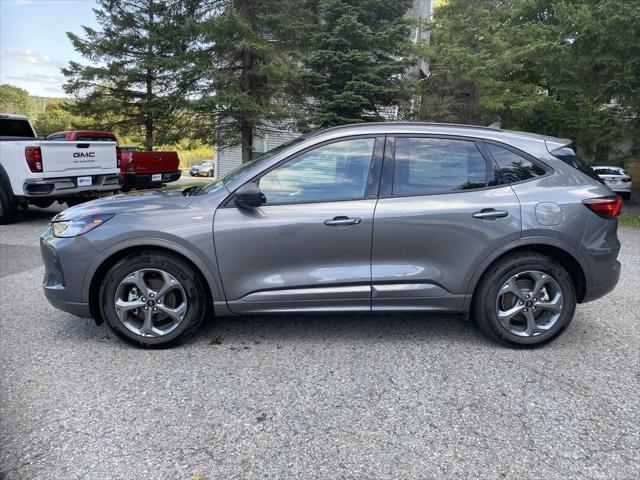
point(493, 126)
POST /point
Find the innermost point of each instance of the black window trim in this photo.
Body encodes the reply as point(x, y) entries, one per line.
point(373, 180)
point(536, 161)
point(386, 190)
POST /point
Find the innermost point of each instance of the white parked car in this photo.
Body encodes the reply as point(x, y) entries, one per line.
point(617, 179)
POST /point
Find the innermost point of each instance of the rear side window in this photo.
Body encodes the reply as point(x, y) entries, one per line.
point(568, 156)
point(10, 127)
point(436, 165)
point(514, 167)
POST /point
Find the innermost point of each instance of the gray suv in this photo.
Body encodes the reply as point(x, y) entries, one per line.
point(509, 226)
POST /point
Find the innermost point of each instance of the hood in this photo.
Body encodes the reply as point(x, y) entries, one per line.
point(171, 199)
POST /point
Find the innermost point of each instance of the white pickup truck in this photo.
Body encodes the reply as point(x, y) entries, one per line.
point(38, 172)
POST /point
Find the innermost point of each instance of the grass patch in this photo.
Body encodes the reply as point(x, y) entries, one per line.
point(629, 220)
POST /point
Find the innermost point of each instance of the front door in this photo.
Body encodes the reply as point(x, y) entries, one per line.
point(308, 248)
point(437, 218)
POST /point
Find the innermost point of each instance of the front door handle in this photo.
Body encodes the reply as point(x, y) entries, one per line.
point(342, 221)
point(490, 214)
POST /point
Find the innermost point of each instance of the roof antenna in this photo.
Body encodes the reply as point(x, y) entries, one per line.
point(496, 125)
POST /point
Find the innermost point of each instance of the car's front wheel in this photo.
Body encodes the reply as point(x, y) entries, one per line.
point(153, 299)
point(524, 300)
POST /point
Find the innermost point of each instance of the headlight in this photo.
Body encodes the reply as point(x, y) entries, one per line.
point(78, 226)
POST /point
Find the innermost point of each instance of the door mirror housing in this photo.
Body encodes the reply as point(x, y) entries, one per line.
point(249, 196)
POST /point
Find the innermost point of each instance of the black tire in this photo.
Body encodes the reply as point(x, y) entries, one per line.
point(42, 203)
point(625, 195)
point(190, 280)
point(210, 174)
point(8, 206)
point(485, 299)
point(73, 201)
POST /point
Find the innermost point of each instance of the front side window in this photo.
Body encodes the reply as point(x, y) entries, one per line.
point(337, 171)
point(514, 167)
point(437, 165)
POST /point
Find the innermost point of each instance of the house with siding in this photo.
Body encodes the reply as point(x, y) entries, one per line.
point(230, 158)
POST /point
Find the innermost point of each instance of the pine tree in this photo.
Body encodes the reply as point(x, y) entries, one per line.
point(358, 53)
point(130, 81)
point(241, 76)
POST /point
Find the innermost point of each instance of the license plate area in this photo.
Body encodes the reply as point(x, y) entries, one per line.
point(156, 177)
point(84, 181)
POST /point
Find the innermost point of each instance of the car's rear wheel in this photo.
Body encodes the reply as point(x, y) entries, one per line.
point(153, 299)
point(524, 300)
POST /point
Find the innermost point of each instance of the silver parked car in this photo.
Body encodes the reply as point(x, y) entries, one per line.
point(202, 169)
point(617, 179)
point(509, 226)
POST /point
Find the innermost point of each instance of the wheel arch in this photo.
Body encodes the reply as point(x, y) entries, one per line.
point(566, 255)
point(105, 262)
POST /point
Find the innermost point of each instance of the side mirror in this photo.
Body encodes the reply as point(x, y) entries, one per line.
point(249, 196)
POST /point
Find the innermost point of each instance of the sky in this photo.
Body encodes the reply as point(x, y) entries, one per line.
point(34, 45)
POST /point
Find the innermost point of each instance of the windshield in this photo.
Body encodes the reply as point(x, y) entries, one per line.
point(246, 166)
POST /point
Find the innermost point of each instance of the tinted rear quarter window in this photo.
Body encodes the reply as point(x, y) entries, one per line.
point(11, 127)
point(568, 156)
point(514, 167)
point(436, 165)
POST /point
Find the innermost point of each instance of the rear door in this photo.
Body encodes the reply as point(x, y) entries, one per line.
point(308, 248)
point(441, 212)
point(64, 158)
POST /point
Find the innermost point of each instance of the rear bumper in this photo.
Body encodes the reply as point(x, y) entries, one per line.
point(607, 281)
point(133, 179)
point(68, 186)
point(620, 187)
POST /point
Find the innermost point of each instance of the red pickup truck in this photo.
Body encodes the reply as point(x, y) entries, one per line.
point(137, 169)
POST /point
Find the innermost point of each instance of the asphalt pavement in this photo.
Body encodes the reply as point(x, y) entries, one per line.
point(331, 397)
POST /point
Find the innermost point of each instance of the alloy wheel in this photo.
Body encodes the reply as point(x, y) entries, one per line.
point(529, 303)
point(150, 302)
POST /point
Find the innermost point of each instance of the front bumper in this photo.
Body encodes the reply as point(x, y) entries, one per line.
point(65, 263)
point(133, 179)
point(68, 186)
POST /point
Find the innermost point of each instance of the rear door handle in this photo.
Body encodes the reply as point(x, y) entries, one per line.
point(490, 214)
point(342, 221)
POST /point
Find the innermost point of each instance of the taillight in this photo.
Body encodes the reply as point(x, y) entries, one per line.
point(607, 207)
point(33, 155)
point(118, 153)
point(626, 179)
point(130, 166)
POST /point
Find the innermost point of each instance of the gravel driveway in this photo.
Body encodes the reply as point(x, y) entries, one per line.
point(348, 396)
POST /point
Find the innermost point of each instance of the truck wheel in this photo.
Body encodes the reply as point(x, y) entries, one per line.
point(72, 202)
point(8, 207)
point(42, 203)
